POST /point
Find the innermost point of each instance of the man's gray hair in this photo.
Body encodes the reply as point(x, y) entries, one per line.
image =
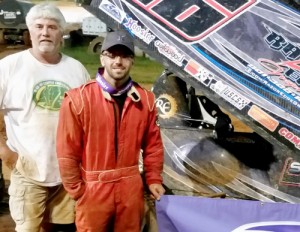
point(46, 11)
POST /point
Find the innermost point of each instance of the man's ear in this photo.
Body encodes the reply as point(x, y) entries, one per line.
point(101, 59)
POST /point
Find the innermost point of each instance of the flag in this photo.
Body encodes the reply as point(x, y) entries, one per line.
point(199, 214)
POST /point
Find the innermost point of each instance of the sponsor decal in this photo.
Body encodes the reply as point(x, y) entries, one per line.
point(166, 106)
point(278, 42)
point(294, 168)
point(288, 135)
point(200, 73)
point(142, 33)
point(223, 90)
point(285, 74)
point(112, 10)
point(281, 77)
point(193, 68)
point(230, 95)
point(274, 85)
point(163, 48)
point(170, 52)
point(263, 118)
point(290, 174)
point(49, 94)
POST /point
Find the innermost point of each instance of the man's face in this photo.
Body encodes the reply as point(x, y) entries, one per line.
point(117, 62)
point(46, 36)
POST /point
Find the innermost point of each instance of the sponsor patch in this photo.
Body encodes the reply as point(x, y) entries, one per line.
point(263, 118)
point(166, 106)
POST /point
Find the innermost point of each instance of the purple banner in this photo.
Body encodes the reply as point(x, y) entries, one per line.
point(197, 214)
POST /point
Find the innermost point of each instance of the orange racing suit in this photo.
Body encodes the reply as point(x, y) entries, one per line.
point(98, 153)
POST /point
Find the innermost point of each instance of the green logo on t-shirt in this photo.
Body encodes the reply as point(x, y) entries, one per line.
point(49, 94)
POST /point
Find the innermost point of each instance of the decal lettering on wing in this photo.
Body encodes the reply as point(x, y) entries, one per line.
point(278, 42)
point(166, 106)
point(113, 11)
point(263, 118)
point(207, 78)
point(290, 136)
point(191, 20)
point(284, 74)
point(290, 174)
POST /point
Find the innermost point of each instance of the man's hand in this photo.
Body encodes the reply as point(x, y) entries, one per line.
point(156, 190)
point(9, 158)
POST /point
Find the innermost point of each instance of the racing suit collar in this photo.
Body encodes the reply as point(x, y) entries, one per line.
point(132, 93)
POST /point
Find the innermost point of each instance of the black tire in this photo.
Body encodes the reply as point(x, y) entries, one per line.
point(26, 38)
point(95, 45)
point(76, 38)
point(2, 40)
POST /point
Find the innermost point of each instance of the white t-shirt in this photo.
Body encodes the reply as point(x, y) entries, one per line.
point(30, 97)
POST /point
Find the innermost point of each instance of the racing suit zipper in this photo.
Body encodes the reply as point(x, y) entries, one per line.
point(116, 115)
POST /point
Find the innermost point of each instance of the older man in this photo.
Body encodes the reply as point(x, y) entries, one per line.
point(32, 85)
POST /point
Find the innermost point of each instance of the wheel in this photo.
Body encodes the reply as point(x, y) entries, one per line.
point(2, 40)
point(76, 38)
point(95, 45)
point(26, 38)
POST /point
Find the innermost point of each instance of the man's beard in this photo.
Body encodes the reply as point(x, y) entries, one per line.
point(118, 75)
point(46, 47)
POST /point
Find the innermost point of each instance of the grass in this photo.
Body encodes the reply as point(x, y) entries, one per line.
point(144, 71)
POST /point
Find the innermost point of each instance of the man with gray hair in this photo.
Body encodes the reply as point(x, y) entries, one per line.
point(32, 86)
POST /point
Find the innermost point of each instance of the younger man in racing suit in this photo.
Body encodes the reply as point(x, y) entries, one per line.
point(103, 127)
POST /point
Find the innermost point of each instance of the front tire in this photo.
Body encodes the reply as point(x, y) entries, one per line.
point(95, 45)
